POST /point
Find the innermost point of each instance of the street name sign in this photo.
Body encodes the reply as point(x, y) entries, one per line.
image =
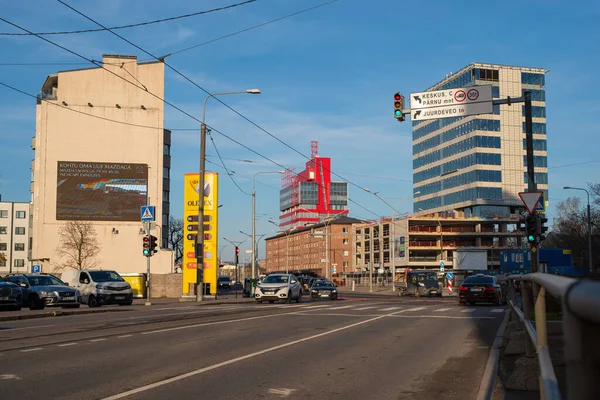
point(456, 110)
point(531, 199)
point(451, 97)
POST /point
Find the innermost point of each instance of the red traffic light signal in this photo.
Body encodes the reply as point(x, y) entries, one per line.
point(237, 250)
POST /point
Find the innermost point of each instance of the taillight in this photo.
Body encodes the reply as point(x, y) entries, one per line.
point(488, 288)
point(463, 288)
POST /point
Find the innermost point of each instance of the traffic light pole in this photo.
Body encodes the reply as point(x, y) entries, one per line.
point(148, 303)
point(200, 233)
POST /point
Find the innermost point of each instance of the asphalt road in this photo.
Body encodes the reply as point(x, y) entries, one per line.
point(347, 349)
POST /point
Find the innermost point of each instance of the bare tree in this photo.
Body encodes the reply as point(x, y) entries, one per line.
point(175, 239)
point(79, 245)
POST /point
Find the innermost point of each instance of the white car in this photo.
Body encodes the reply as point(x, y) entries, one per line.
point(276, 287)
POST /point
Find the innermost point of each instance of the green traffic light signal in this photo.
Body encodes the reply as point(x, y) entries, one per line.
point(398, 113)
point(146, 252)
point(531, 238)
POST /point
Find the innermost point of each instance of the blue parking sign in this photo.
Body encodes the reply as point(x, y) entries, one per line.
point(36, 269)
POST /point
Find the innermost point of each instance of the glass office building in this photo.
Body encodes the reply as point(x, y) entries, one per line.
point(475, 166)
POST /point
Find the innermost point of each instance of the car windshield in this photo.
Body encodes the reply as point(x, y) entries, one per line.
point(276, 279)
point(224, 279)
point(485, 280)
point(427, 277)
point(2, 279)
point(321, 284)
point(44, 281)
point(105, 276)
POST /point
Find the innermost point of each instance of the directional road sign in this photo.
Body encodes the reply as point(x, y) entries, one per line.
point(147, 213)
point(451, 97)
point(458, 110)
point(531, 199)
point(449, 276)
point(441, 266)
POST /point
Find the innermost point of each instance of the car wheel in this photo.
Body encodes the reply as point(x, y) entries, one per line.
point(461, 303)
point(299, 299)
point(93, 302)
point(126, 304)
point(259, 301)
point(17, 308)
point(35, 303)
point(417, 294)
point(439, 295)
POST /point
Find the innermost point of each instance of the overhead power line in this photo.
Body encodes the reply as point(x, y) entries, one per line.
point(130, 25)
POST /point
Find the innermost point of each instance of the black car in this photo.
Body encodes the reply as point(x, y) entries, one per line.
point(11, 295)
point(323, 289)
point(224, 282)
point(481, 289)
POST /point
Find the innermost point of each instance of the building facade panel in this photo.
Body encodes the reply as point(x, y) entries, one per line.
point(14, 237)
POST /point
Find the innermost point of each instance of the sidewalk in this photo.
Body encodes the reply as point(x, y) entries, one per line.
point(138, 305)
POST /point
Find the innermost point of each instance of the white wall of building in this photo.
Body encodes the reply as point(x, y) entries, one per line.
point(14, 237)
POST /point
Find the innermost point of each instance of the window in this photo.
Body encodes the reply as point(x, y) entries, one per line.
point(167, 150)
point(165, 195)
point(529, 78)
point(3, 213)
point(83, 277)
point(2, 263)
point(346, 253)
point(2, 230)
point(3, 247)
point(538, 144)
point(486, 74)
point(538, 127)
point(166, 173)
point(19, 262)
point(345, 264)
point(345, 230)
point(20, 214)
point(19, 246)
point(19, 230)
point(345, 241)
point(536, 111)
point(495, 92)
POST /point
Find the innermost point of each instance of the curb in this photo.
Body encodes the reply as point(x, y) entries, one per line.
point(59, 314)
point(490, 375)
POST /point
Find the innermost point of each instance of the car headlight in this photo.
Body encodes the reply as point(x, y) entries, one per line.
point(314, 291)
point(47, 294)
point(101, 287)
point(421, 284)
point(334, 291)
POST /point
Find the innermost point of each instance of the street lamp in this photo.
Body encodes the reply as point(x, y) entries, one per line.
point(200, 235)
point(254, 216)
point(589, 226)
point(255, 248)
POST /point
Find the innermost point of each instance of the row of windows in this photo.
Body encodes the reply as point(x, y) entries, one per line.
point(456, 148)
point(484, 74)
point(18, 214)
point(537, 111)
point(530, 78)
point(18, 246)
point(459, 163)
point(541, 178)
point(483, 175)
point(536, 127)
point(538, 144)
point(460, 196)
point(536, 95)
point(19, 230)
point(438, 124)
point(18, 263)
point(487, 125)
point(538, 161)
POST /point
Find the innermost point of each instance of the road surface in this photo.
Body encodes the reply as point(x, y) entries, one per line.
point(397, 348)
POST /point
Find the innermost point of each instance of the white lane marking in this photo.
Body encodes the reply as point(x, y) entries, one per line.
point(363, 308)
point(497, 310)
point(6, 377)
point(98, 340)
point(339, 308)
point(390, 308)
point(283, 392)
point(67, 344)
point(231, 321)
point(124, 336)
point(172, 308)
point(469, 310)
point(416, 309)
point(28, 327)
point(319, 306)
point(29, 350)
point(391, 316)
point(238, 359)
point(438, 316)
point(441, 309)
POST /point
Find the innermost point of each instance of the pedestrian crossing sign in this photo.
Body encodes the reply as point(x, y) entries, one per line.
point(147, 213)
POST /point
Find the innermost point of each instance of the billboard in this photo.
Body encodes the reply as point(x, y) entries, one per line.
point(399, 248)
point(191, 197)
point(96, 191)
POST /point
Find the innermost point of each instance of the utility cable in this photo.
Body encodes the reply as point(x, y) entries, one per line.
point(131, 25)
point(225, 167)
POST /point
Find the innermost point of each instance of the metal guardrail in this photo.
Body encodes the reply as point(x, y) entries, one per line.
point(580, 301)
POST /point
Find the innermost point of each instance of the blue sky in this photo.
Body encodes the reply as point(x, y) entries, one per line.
point(327, 75)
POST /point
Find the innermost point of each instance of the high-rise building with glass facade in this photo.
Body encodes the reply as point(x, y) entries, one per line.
point(475, 166)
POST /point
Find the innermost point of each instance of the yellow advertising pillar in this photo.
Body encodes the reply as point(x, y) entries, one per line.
point(191, 194)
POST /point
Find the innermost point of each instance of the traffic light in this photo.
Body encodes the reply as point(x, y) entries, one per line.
point(531, 227)
point(146, 246)
point(541, 227)
point(398, 106)
point(237, 250)
point(153, 245)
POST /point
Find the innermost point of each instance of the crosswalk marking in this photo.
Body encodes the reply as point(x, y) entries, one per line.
point(497, 310)
point(416, 309)
point(441, 309)
point(390, 309)
point(469, 310)
point(363, 308)
point(339, 308)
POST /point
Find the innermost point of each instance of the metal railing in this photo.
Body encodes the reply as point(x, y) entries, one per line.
point(580, 300)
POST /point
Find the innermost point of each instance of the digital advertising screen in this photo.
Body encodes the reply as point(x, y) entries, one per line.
point(95, 191)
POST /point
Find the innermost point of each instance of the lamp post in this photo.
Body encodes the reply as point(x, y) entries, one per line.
point(589, 226)
point(200, 235)
point(254, 217)
point(235, 244)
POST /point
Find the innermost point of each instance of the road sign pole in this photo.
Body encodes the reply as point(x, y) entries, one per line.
point(148, 303)
point(200, 233)
point(531, 185)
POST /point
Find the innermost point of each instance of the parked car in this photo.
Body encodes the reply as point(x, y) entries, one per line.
point(481, 288)
point(100, 287)
point(11, 295)
point(45, 290)
point(276, 287)
point(323, 289)
point(419, 283)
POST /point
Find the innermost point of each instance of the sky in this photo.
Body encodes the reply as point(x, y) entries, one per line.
point(327, 74)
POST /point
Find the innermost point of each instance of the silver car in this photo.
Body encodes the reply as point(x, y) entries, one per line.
point(44, 290)
point(279, 287)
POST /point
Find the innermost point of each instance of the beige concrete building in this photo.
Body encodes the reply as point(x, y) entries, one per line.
point(14, 237)
point(100, 154)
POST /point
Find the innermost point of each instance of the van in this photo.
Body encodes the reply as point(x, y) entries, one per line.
point(99, 287)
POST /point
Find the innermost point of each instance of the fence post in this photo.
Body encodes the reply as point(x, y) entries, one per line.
point(541, 326)
point(527, 297)
point(512, 296)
